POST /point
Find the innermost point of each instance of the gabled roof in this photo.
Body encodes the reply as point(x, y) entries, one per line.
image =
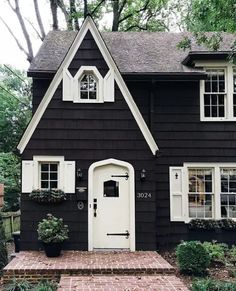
point(88, 25)
point(133, 52)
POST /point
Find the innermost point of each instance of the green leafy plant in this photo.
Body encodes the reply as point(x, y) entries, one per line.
point(212, 285)
point(192, 258)
point(18, 285)
point(48, 196)
point(216, 251)
point(211, 224)
point(52, 230)
point(3, 247)
point(46, 285)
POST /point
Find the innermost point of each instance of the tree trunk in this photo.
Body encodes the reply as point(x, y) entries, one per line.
point(73, 15)
point(38, 16)
point(53, 5)
point(85, 8)
point(115, 24)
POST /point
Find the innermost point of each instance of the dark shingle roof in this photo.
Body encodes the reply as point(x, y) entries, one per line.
point(133, 52)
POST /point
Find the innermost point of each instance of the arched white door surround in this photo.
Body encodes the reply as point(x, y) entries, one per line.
point(111, 205)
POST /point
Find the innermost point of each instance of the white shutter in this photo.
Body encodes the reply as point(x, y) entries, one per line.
point(27, 176)
point(69, 176)
point(109, 93)
point(176, 194)
point(67, 94)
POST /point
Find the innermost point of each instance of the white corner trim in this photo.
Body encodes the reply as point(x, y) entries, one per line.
point(90, 199)
point(88, 25)
point(83, 70)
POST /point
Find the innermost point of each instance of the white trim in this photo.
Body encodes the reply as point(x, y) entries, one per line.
point(38, 159)
point(83, 70)
point(90, 199)
point(216, 186)
point(88, 25)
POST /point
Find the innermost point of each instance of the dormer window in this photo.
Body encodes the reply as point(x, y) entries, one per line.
point(88, 87)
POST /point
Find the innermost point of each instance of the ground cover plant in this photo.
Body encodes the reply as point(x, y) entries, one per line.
point(24, 285)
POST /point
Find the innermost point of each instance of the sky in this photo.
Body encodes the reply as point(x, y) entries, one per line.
point(9, 51)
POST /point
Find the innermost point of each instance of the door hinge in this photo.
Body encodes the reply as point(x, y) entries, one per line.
point(126, 234)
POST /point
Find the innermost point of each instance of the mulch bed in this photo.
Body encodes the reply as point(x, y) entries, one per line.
point(216, 272)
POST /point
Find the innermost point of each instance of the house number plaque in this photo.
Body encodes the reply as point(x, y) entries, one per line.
point(144, 195)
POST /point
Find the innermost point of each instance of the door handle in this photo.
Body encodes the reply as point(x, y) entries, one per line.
point(95, 207)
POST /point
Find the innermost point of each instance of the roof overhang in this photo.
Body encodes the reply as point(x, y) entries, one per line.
point(196, 56)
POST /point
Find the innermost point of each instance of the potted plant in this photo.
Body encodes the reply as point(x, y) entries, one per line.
point(52, 233)
point(48, 196)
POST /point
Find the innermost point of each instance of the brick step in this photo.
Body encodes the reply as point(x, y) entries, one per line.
point(34, 265)
point(109, 282)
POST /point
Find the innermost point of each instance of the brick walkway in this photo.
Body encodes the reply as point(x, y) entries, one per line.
point(127, 271)
point(121, 283)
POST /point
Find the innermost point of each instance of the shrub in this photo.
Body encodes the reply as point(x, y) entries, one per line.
point(48, 196)
point(192, 258)
point(212, 224)
point(52, 230)
point(216, 251)
point(3, 247)
point(18, 285)
point(232, 253)
point(212, 285)
point(46, 285)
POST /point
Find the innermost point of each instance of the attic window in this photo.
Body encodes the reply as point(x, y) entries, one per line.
point(88, 87)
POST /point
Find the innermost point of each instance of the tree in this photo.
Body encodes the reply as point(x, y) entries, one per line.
point(211, 15)
point(15, 112)
point(127, 15)
point(15, 107)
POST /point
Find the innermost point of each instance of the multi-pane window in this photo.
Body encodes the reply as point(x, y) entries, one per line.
point(234, 91)
point(200, 193)
point(48, 175)
point(215, 93)
point(88, 87)
point(228, 193)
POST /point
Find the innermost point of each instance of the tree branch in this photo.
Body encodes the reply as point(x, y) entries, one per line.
point(53, 7)
point(17, 11)
point(34, 28)
point(15, 38)
point(96, 8)
point(62, 6)
point(40, 23)
point(122, 7)
point(135, 12)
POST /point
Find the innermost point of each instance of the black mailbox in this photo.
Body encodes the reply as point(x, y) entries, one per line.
point(82, 194)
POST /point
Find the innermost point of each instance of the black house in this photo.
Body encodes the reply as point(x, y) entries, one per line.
point(140, 135)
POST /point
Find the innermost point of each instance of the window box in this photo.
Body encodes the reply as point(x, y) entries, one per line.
point(48, 196)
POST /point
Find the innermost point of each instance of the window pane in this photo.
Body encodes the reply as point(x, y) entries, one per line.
point(92, 95)
point(53, 176)
point(53, 184)
point(207, 111)
point(111, 189)
point(44, 167)
point(53, 167)
point(44, 176)
point(84, 95)
point(44, 184)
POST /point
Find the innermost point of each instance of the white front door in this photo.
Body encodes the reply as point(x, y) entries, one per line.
point(110, 207)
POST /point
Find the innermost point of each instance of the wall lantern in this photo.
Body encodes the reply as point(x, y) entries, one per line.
point(143, 175)
point(79, 174)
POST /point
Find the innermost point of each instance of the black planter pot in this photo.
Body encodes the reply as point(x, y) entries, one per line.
point(52, 249)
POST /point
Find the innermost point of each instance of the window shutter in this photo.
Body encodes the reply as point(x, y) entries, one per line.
point(69, 176)
point(67, 94)
point(109, 93)
point(176, 194)
point(27, 176)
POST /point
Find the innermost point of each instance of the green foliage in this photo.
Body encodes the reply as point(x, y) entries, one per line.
point(48, 196)
point(211, 224)
point(15, 107)
point(10, 177)
point(232, 253)
point(192, 258)
point(18, 285)
point(3, 247)
point(216, 251)
point(211, 15)
point(52, 230)
point(46, 285)
point(212, 285)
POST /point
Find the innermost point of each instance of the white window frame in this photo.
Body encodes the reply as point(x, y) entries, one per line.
point(92, 70)
point(37, 160)
point(229, 89)
point(216, 186)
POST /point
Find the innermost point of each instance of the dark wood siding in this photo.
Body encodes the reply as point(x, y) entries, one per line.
point(182, 138)
point(87, 133)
